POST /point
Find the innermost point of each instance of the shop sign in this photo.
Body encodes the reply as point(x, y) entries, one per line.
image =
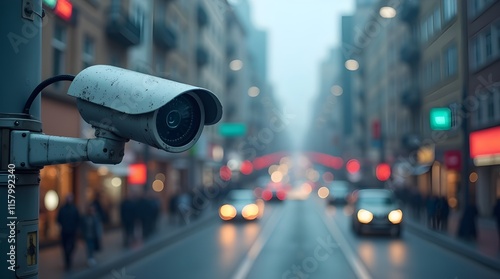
point(425, 155)
point(485, 142)
point(453, 160)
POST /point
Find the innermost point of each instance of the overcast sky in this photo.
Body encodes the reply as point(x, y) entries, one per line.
point(300, 34)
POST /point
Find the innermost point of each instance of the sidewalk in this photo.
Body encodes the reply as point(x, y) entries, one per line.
point(113, 255)
point(484, 250)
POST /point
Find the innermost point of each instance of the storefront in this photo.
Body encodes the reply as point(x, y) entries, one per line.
point(56, 183)
point(103, 185)
point(485, 153)
point(425, 171)
point(452, 170)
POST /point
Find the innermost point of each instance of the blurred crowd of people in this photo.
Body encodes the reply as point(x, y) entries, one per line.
point(74, 224)
point(435, 208)
point(139, 218)
point(437, 212)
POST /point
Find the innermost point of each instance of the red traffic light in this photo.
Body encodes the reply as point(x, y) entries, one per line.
point(383, 172)
point(353, 166)
point(246, 167)
point(137, 174)
point(225, 173)
point(64, 9)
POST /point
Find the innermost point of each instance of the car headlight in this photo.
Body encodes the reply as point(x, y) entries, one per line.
point(227, 212)
point(250, 211)
point(323, 192)
point(396, 216)
point(364, 216)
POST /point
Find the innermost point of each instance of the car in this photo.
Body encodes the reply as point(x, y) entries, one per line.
point(338, 192)
point(377, 210)
point(274, 191)
point(241, 204)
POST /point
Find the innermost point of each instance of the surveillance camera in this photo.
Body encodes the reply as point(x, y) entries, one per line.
point(162, 113)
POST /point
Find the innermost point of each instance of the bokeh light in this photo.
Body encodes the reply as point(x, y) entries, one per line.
point(51, 200)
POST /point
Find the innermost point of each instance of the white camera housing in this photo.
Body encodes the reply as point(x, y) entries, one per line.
point(162, 113)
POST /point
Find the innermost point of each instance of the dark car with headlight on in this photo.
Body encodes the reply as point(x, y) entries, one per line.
point(241, 204)
point(377, 210)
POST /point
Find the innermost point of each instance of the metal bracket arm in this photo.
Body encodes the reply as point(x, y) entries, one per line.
point(38, 150)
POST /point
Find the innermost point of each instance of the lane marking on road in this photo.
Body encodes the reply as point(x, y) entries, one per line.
point(355, 262)
point(253, 253)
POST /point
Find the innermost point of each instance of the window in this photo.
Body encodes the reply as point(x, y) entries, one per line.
point(424, 36)
point(137, 17)
point(478, 6)
point(88, 55)
point(485, 46)
point(488, 44)
point(449, 9)
point(59, 49)
point(430, 25)
point(450, 61)
point(437, 19)
point(476, 50)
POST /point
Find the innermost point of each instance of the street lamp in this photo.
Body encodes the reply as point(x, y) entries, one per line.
point(351, 65)
point(253, 91)
point(236, 65)
point(387, 12)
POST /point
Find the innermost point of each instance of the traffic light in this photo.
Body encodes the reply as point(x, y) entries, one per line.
point(440, 118)
point(383, 172)
point(137, 174)
point(353, 166)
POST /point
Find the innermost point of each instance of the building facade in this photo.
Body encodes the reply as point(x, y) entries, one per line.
point(484, 95)
point(75, 37)
point(184, 41)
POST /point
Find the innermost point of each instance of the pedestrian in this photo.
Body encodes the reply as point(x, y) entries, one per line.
point(431, 211)
point(92, 232)
point(103, 215)
point(148, 210)
point(468, 228)
point(127, 216)
point(172, 208)
point(496, 214)
point(68, 218)
point(442, 212)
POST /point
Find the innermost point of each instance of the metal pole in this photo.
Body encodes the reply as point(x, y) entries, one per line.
point(20, 53)
point(465, 93)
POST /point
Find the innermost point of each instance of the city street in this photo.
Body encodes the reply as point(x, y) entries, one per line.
point(300, 239)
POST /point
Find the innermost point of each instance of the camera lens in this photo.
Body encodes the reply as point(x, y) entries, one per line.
point(179, 120)
point(173, 119)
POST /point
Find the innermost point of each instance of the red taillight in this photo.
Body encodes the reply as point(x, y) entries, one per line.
point(267, 195)
point(281, 195)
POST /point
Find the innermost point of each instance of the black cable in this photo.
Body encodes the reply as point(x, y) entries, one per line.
point(42, 86)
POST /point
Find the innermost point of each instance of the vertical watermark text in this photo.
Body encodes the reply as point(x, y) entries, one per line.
point(11, 217)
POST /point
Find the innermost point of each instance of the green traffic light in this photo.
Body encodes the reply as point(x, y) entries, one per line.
point(50, 3)
point(440, 119)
